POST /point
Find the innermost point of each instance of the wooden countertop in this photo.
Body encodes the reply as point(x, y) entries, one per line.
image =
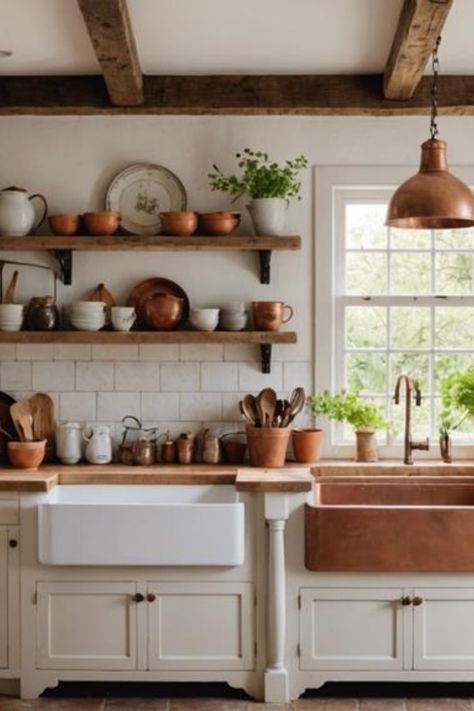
point(293, 478)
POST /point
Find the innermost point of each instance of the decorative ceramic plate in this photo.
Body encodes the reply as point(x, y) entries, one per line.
point(140, 193)
point(157, 285)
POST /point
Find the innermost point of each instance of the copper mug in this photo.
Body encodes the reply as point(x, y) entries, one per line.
point(270, 315)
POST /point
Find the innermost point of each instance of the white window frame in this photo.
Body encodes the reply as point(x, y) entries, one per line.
point(331, 182)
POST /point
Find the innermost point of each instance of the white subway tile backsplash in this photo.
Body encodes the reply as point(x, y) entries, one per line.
point(136, 376)
point(16, 376)
point(53, 375)
point(241, 352)
point(94, 376)
point(230, 406)
point(160, 406)
point(113, 406)
point(34, 351)
point(219, 377)
point(166, 351)
point(251, 378)
point(201, 351)
point(179, 377)
point(7, 351)
point(201, 406)
point(298, 374)
point(78, 406)
point(72, 351)
point(115, 353)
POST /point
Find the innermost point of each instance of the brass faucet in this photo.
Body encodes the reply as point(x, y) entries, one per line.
point(411, 387)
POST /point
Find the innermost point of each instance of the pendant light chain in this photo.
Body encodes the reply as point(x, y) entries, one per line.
point(434, 90)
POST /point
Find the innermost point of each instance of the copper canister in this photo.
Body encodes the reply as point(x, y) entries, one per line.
point(185, 449)
point(144, 453)
point(168, 452)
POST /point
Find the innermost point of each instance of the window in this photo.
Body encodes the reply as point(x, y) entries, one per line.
point(388, 301)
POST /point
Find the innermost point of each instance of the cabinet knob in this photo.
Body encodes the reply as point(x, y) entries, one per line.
point(417, 601)
point(151, 597)
point(406, 600)
point(13, 543)
point(138, 597)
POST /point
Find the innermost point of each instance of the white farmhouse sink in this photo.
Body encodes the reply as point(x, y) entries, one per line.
point(141, 525)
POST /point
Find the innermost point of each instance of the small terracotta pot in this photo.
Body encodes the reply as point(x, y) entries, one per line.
point(269, 315)
point(366, 447)
point(26, 455)
point(101, 223)
point(180, 224)
point(234, 447)
point(307, 445)
point(66, 224)
point(267, 445)
point(218, 224)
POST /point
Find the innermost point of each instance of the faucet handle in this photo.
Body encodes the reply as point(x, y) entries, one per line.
point(425, 445)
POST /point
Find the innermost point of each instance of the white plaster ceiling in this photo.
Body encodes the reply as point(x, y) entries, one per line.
point(227, 36)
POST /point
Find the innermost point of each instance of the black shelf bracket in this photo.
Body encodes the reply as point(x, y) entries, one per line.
point(265, 259)
point(266, 352)
point(64, 259)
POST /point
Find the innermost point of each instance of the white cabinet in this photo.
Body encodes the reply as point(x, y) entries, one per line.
point(134, 626)
point(394, 629)
point(351, 628)
point(443, 628)
point(83, 625)
point(201, 626)
point(9, 599)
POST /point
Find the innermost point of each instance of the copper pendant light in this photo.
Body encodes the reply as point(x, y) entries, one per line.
point(433, 198)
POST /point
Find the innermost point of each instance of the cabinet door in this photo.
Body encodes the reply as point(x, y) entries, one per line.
point(3, 598)
point(201, 626)
point(444, 629)
point(351, 628)
point(86, 625)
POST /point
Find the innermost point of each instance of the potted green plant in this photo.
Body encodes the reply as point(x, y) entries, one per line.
point(268, 184)
point(363, 416)
point(457, 399)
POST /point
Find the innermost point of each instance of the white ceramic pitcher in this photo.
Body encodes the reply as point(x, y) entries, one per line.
point(99, 445)
point(17, 215)
point(68, 442)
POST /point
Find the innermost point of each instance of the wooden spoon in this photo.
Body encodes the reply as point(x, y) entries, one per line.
point(250, 410)
point(18, 410)
point(44, 425)
point(296, 404)
point(267, 400)
point(25, 423)
point(10, 292)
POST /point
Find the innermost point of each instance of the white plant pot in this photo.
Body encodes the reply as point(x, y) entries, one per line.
point(268, 215)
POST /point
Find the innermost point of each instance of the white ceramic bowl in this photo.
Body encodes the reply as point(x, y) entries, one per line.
point(123, 317)
point(11, 326)
point(88, 305)
point(88, 324)
point(233, 322)
point(233, 307)
point(204, 319)
point(11, 317)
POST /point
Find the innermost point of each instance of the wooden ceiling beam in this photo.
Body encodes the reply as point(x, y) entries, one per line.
point(108, 24)
point(327, 95)
point(420, 24)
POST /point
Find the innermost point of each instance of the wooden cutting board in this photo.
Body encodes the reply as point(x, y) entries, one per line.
point(44, 423)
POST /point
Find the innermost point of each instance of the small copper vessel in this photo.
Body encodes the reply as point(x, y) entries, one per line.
point(181, 224)
point(144, 453)
point(218, 223)
point(270, 315)
point(185, 448)
point(168, 452)
point(163, 312)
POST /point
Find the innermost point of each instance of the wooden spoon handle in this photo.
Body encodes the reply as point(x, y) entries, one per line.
point(10, 292)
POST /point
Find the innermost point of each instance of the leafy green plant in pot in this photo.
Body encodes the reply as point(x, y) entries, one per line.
point(268, 184)
point(362, 415)
point(457, 399)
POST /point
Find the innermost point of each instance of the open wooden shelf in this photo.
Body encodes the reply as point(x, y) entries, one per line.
point(63, 247)
point(265, 339)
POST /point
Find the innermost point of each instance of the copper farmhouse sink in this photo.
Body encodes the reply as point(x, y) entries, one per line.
point(406, 526)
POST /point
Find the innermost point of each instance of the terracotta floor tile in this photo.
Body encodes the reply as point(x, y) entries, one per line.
point(69, 704)
point(439, 705)
point(317, 704)
point(136, 704)
point(207, 704)
point(11, 704)
point(382, 705)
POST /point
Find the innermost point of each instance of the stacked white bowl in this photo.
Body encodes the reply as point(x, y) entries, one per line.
point(88, 315)
point(11, 317)
point(204, 319)
point(233, 316)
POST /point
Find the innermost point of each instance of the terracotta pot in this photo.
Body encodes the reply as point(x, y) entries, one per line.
point(163, 312)
point(366, 447)
point(181, 224)
point(269, 315)
point(26, 455)
point(267, 445)
point(307, 445)
point(234, 447)
point(101, 223)
point(218, 223)
point(66, 224)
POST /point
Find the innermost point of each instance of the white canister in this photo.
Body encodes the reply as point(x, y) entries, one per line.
point(99, 445)
point(123, 317)
point(68, 442)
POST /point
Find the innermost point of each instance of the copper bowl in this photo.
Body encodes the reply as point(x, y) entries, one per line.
point(26, 455)
point(162, 312)
point(66, 224)
point(218, 224)
point(101, 223)
point(181, 224)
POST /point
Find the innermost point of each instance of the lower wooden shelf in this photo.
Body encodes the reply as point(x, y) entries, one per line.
point(264, 339)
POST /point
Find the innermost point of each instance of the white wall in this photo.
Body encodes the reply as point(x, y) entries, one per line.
point(71, 160)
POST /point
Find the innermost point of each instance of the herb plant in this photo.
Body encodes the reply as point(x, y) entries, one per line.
point(457, 398)
point(348, 407)
point(260, 178)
